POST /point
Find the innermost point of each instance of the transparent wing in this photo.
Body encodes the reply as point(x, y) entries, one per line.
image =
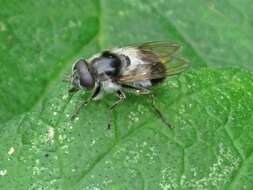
point(176, 66)
point(164, 50)
point(160, 61)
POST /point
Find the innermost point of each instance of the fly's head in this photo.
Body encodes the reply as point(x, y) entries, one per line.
point(81, 78)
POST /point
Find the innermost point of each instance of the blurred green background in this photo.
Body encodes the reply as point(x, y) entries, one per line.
point(39, 41)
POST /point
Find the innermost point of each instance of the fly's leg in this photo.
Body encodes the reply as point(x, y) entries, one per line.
point(79, 107)
point(120, 94)
point(158, 112)
point(86, 102)
point(145, 91)
point(135, 90)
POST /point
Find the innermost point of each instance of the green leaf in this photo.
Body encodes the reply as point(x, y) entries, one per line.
point(210, 146)
point(40, 39)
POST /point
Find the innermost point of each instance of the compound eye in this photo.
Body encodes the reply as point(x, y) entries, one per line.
point(86, 79)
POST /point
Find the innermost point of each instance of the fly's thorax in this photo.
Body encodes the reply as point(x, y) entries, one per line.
point(106, 66)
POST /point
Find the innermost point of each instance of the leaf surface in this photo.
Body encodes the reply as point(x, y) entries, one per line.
point(210, 146)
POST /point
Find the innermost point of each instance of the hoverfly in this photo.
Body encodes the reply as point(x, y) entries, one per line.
point(132, 69)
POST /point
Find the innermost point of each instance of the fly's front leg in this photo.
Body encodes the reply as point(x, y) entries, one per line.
point(86, 102)
point(120, 94)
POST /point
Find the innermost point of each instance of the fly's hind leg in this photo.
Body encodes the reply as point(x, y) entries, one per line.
point(145, 91)
point(85, 102)
point(121, 97)
point(158, 112)
point(135, 90)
